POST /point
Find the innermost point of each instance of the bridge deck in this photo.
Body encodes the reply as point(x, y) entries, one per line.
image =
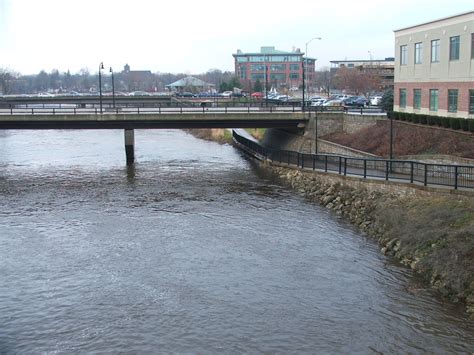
point(149, 119)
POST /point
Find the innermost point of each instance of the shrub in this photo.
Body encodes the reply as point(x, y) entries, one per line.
point(471, 125)
point(423, 119)
point(446, 123)
point(454, 123)
point(465, 124)
point(415, 118)
point(432, 120)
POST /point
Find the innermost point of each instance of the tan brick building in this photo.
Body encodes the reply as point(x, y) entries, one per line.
point(434, 67)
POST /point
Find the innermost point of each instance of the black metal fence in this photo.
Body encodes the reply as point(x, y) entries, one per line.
point(456, 176)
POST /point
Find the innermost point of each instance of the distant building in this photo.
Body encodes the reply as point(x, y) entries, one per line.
point(190, 84)
point(381, 68)
point(434, 67)
point(137, 79)
point(279, 69)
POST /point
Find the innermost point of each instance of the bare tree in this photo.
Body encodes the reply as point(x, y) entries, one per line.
point(356, 80)
point(324, 79)
point(6, 81)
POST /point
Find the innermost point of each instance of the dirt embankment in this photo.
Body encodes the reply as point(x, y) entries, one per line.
point(408, 139)
point(432, 234)
point(219, 135)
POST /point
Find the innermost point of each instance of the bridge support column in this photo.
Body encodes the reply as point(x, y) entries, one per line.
point(130, 145)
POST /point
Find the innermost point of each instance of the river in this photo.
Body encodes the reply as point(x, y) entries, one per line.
point(194, 249)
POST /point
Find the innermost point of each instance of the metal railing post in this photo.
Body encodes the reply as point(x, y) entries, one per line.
point(387, 169)
point(425, 182)
point(365, 168)
point(411, 171)
point(314, 162)
point(345, 166)
point(340, 165)
point(456, 177)
point(326, 163)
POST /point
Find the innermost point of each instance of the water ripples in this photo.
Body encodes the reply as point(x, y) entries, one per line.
point(192, 250)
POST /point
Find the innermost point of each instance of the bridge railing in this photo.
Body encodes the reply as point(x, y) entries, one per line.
point(204, 107)
point(455, 176)
point(143, 111)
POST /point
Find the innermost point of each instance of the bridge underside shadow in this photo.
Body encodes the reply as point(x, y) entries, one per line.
point(128, 123)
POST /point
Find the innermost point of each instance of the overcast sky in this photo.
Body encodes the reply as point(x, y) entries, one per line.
point(183, 36)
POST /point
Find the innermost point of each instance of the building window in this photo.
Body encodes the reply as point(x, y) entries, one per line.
point(471, 101)
point(403, 55)
point(453, 100)
point(403, 97)
point(472, 45)
point(294, 67)
point(435, 51)
point(257, 76)
point(454, 48)
point(257, 67)
point(278, 67)
point(418, 53)
point(434, 100)
point(417, 99)
point(294, 76)
point(280, 77)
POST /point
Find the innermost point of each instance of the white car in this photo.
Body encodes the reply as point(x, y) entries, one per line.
point(318, 102)
point(226, 94)
point(335, 102)
point(375, 100)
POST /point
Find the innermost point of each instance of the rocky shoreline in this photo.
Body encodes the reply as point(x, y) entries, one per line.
point(442, 256)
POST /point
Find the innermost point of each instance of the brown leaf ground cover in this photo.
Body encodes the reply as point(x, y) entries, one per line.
point(408, 139)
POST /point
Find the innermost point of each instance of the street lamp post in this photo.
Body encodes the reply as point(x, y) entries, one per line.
point(266, 85)
point(113, 87)
point(391, 138)
point(101, 66)
point(305, 69)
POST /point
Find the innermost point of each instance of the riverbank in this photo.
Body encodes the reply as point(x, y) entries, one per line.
point(219, 135)
point(428, 232)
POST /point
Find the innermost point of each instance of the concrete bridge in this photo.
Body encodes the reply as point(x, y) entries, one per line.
point(152, 118)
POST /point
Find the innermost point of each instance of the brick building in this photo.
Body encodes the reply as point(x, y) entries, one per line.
point(434, 67)
point(283, 69)
point(381, 68)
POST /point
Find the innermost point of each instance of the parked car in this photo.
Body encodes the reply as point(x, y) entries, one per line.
point(226, 94)
point(334, 102)
point(139, 93)
point(318, 102)
point(375, 100)
point(355, 101)
point(185, 94)
point(257, 95)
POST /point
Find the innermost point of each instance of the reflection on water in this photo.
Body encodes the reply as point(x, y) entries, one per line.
point(191, 250)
